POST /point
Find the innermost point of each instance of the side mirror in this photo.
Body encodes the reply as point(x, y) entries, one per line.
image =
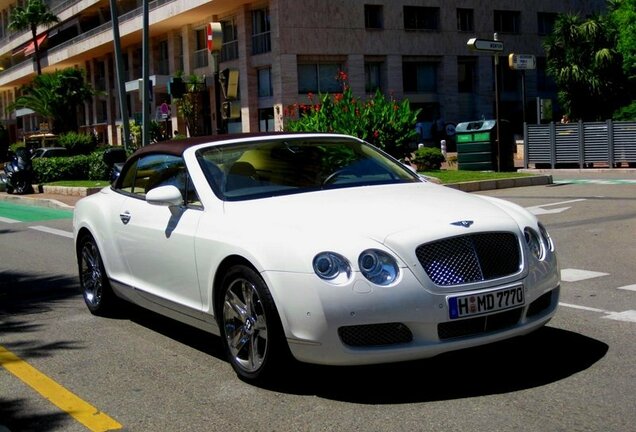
point(164, 196)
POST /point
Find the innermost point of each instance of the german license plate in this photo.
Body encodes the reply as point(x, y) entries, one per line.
point(485, 302)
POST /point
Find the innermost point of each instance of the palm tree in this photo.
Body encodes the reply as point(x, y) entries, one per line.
point(56, 97)
point(583, 60)
point(35, 13)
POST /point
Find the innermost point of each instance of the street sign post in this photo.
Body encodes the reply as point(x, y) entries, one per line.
point(522, 62)
point(485, 45)
point(494, 46)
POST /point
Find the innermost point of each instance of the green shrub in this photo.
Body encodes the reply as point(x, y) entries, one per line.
point(48, 170)
point(80, 167)
point(77, 143)
point(428, 158)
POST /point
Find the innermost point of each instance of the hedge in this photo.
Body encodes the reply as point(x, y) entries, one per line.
point(81, 167)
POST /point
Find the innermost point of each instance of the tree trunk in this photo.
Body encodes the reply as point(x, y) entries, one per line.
point(36, 54)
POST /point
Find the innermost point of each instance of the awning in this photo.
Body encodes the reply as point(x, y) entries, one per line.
point(29, 48)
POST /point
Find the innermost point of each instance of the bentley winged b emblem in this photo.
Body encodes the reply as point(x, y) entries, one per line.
point(463, 223)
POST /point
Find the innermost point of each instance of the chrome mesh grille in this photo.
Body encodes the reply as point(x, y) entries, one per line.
point(375, 334)
point(470, 258)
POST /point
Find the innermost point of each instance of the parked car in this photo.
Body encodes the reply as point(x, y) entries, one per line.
point(312, 247)
point(47, 152)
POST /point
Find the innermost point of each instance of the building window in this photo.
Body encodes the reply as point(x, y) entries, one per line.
point(163, 66)
point(261, 42)
point(201, 46)
point(507, 21)
point(419, 77)
point(372, 77)
point(265, 82)
point(319, 78)
point(421, 18)
point(229, 50)
point(373, 18)
point(545, 22)
point(466, 75)
point(100, 75)
point(465, 20)
point(266, 119)
point(178, 46)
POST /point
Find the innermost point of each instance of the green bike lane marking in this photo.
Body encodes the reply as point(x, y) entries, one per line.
point(597, 181)
point(27, 213)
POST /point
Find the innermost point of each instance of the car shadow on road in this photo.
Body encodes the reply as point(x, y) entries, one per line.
point(543, 357)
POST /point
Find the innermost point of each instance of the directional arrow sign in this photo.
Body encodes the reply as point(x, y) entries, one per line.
point(485, 45)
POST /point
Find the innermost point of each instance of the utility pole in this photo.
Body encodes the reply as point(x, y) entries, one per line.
point(496, 57)
point(121, 85)
point(145, 75)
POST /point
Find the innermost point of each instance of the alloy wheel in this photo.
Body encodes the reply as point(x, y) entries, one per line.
point(245, 325)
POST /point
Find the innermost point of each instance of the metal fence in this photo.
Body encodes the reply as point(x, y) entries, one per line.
point(583, 145)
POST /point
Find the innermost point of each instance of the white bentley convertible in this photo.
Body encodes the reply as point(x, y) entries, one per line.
point(314, 247)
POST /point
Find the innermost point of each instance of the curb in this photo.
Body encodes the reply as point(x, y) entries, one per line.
point(66, 190)
point(484, 185)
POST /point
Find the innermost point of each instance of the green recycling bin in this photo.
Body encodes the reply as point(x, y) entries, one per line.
point(477, 146)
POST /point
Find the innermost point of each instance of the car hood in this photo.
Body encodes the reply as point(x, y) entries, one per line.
point(386, 214)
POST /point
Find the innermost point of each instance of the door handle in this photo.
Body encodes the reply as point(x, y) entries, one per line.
point(125, 217)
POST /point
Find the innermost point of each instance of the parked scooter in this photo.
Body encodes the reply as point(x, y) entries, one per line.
point(18, 172)
point(114, 158)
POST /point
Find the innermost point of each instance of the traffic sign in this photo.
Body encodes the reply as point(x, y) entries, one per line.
point(214, 34)
point(522, 61)
point(485, 45)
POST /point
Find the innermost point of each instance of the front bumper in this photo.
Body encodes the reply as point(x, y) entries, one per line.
point(360, 323)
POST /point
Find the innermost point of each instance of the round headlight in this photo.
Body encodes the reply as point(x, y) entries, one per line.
point(547, 240)
point(332, 267)
point(378, 267)
point(534, 243)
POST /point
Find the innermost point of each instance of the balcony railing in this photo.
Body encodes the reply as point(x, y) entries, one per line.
point(106, 27)
point(201, 58)
point(229, 51)
point(261, 43)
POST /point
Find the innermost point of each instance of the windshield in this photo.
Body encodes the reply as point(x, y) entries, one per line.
point(276, 167)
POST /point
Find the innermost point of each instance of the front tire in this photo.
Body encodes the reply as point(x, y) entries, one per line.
point(21, 186)
point(96, 290)
point(250, 326)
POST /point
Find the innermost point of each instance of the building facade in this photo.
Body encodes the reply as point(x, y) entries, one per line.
point(284, 50)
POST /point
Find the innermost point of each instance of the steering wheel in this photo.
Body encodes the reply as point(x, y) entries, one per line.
point(333, 177)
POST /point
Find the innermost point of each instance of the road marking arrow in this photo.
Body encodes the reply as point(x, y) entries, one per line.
point(539, 210)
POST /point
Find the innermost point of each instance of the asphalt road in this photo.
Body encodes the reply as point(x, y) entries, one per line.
point(149, 373)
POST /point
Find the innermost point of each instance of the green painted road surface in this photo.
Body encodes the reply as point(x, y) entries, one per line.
point(25, 213)
point(596, 181)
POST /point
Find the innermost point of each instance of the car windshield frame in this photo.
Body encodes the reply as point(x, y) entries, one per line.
point(283, 166)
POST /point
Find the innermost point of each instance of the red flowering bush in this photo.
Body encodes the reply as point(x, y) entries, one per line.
point(380, 120)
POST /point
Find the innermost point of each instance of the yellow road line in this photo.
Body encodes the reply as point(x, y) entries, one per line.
point(80, 410)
